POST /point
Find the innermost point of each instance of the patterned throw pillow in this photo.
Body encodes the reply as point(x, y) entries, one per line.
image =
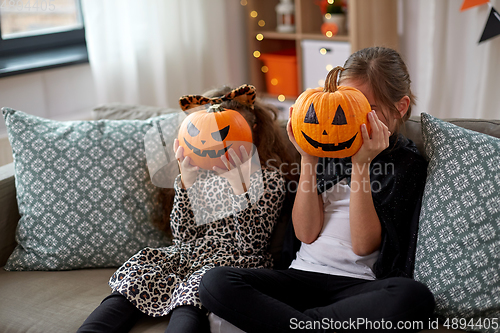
point(458, 248)
point(83, 190)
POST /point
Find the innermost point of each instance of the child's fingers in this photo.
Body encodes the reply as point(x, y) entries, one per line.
point(290, 131)
point(179, 154)
point(244, 154)
point(176, 144)
point(219, 170)
point(225, 161)
point(186, 165)
point(235, 157)
point(374, 123)
point(364, 133)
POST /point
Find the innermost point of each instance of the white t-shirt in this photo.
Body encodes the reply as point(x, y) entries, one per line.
point(331, 252)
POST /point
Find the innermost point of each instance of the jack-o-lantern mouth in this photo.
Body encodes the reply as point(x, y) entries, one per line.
point(212, 153)
point(330, 146)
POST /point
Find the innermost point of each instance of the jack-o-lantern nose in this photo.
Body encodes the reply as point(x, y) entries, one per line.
point(324, 132)
point(203, 142)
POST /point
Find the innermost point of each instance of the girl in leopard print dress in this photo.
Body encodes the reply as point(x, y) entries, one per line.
point(160, 281)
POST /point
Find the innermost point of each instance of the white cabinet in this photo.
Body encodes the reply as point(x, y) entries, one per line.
point(319, 57)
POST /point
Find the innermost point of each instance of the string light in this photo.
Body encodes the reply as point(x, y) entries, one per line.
point(243, 2)
point(259, 37)
point(328, 16)
point(322, 51)
point(254, 14)
point(264, 69)
point(329, 34)
point(329, 67)
point(331, 2)
point(256, 54)
point(321, 83)
point(281, 98)
point(262, 23)
point(274, 82)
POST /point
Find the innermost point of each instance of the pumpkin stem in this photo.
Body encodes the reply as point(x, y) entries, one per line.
point(215, 108)
point(331, 79)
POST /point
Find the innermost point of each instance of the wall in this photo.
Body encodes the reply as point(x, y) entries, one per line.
point(65, 93)
point(453, 76)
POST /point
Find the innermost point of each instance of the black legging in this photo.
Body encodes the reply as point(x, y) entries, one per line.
point(261, 300)
point(116, 314)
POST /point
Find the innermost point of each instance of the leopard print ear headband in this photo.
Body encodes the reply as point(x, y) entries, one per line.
point(244, 94)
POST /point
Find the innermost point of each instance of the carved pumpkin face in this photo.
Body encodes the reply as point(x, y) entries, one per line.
point(327, 122)
point(206, 135)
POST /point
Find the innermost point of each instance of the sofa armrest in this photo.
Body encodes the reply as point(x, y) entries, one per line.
point(10, 214)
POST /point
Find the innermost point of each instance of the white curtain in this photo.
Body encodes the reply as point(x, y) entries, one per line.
point(151, 52)
point(452, 75)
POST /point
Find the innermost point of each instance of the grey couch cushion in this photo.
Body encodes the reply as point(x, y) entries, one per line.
point(413, 128)
point(57, 302)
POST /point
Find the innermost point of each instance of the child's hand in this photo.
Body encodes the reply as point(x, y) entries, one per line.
point(291, 137)
point(188, 172)
point(374, 145)
point(238, 174)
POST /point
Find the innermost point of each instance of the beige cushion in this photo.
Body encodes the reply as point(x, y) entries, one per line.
point(10, 213)
point(57, 302)
point(129, 111)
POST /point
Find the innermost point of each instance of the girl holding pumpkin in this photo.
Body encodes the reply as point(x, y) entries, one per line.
point(354, 266)
point(160, 281)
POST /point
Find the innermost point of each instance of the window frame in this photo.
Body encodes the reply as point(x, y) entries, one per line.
point(33, 53)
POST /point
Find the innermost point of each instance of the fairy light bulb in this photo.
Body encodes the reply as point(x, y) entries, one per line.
point(328, 16)
point(321, 83)
point(329, 34)
point(281, 98)
point(259, 37)
point(329, 67)
point(261, 23)
point(274, 82)
point(264, 69)
point(254, 14)
point(322, 51)
point(256, 54)
point(243, 2)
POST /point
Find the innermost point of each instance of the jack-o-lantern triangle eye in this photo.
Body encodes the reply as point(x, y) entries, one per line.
point(220, 135)
point(311, 117)
point(339, 118)
point(192, 130)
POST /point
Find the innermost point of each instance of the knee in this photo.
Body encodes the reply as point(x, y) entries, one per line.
point(215, 278)
point(215, 284)
point(414, 294)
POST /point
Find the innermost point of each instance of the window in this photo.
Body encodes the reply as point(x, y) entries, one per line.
point(40, 34)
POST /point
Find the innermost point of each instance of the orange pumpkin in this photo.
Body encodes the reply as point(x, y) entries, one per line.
point(326, 122)
point(206, 135)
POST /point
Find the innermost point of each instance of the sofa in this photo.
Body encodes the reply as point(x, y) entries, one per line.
point(59, 300)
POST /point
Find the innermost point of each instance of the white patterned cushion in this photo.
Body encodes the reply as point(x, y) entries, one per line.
point(83, 190)
point(458, 247)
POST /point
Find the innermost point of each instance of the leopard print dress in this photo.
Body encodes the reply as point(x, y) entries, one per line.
point(157, 280)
